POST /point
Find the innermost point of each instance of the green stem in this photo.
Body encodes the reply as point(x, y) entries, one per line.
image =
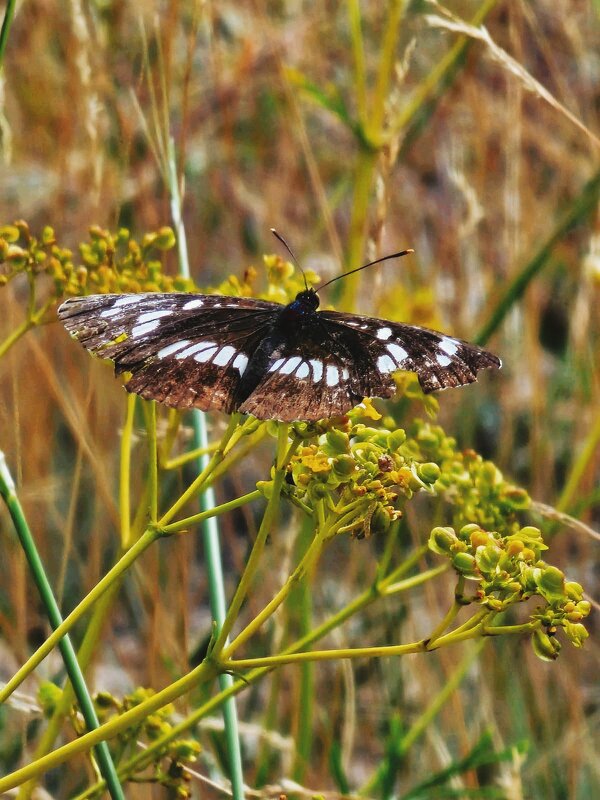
point(579, 468)
point(6, 23)
point(256, 553)
point(147, 538)
point(10, 340)
point(206, 473)
point(7, 490)
point(201, 674)
point(207, 499)
point(140, 760)
point(65, 702)
point(188, 522)
point(125, 473)
point(150, 409)
point(580, 208)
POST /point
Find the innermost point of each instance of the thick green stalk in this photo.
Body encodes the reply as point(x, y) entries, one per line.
point(7, 490)
point(210, 531)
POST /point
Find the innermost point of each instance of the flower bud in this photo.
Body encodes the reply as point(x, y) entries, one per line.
point(545, 647)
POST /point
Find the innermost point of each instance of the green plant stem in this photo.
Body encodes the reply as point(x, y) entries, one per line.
point(256, 553)
point(125, 473)
point(580, 208)
point(6, 23)
point(152, 460)
point(10, 340)
point(7, 490)
point(198, 483)
point(189, 455)
point(203, 673)
point(142, 544)
point(195, 519)
point(210, 528)
point(372, 594)
point(579, 468)
point(63, 707)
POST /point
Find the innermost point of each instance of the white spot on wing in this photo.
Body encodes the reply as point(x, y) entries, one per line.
point(224, 356)
point(149, 316)
point(303, 371)
point(111, 312)
point(384, 333)
point(146, 327)
point(385, 364)
point(399, 353)
point(126, 300)
point(317, 368)
point(345, 374)
point(195, 348)
point(172, 348)
point(443, 361)
point(333, 376)
point(449, 346)
point(276, 365)
point(206, 355)
point(240, 363)
point(197, 302)
point(290, 365)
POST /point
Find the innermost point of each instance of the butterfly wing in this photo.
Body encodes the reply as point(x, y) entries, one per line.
point(440, 361)
point(184, 350)
point(317, 370)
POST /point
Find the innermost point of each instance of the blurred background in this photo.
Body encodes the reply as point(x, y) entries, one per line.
point(467, 131)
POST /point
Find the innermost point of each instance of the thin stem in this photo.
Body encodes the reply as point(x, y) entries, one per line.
point(207, 500)
point(579, 467)
point(202, 478)
point(264, 530)
point(8, 492)
point(195, 519)
point(142, 544)
point(6, 23)
point(125, 473)
point(201, 674)
point(152, 460)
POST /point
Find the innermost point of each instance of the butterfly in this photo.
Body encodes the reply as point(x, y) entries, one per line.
point(282, 362)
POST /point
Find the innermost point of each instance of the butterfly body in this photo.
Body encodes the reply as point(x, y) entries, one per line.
point(289, 362)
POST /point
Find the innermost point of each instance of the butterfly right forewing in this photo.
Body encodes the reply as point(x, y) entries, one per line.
point(182, 350)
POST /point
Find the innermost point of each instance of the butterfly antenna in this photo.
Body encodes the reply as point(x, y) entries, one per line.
point(370, 264)
point(291, 252)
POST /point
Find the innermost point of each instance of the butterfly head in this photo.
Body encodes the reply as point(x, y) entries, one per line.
point(306, 301)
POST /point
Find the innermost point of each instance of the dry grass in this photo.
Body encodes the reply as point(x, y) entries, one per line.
point(476, 182)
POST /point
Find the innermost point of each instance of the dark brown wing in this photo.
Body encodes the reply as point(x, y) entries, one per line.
point(440, 361)
point(184, 350)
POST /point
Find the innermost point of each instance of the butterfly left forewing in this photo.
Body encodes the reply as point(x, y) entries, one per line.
point(440, 361)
